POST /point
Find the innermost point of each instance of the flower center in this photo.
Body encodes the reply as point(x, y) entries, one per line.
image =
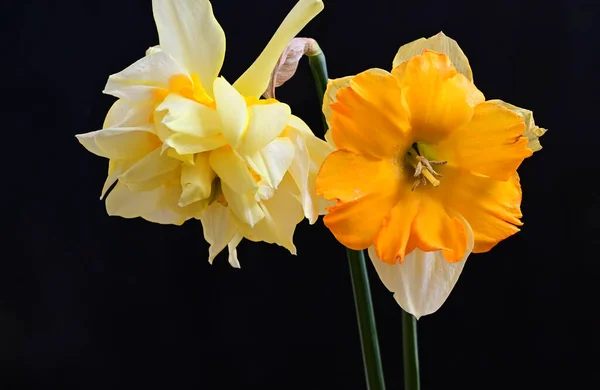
point(424, 172)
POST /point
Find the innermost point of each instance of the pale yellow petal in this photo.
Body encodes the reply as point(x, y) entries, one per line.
point(232, 110)
point(232, 170)
point(282, 213)
point(188, 31)
point(196, 180)
point(441, 44)
point(219, 227)
point(188, 144)
point(115, 168)
point(266, 122)
point(273, 161)
point(137, 82)
point(189, 117)
point(244, 206)
point(255, 80)
point(300, 170)
point(126, 113)
point(167, 212)
point(120, 143)
point(128, 204)
point(232, 248)
point(317, 148)
point(149, 172)
point(532, 131)
point(424, 280)
point(333, 85)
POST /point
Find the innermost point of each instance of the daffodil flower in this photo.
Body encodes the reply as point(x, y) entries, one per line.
point(185, 143)
point(425, 173)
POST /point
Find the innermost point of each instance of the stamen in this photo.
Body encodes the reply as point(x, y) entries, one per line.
point(424, 171)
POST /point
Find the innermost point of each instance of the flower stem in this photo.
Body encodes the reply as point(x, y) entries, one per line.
point(356, 260)
point(410, 352)
point(366, 320)
point(318, 68)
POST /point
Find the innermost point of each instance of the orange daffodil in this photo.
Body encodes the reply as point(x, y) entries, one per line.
point(184, 143)
point(425, 173)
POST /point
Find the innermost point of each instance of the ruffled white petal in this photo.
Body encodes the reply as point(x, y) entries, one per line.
point(137, 81)
point(424, 280)
point(188, 31)
point(255, 80)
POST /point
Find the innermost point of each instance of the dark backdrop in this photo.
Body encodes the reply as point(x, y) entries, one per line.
point(90, 302)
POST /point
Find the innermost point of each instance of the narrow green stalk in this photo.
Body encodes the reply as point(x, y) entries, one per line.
point(366, 320)
point(410, 352)
point(356, 260)
point(318, 68)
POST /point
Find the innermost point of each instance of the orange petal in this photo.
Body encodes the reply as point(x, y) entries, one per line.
point(435, 229)
point(492, 208)
point(491, 144)
point(391, 241)
point(366, 188)
point(355, 224)
point(348, 176)
point(439, 98)
point(369, 117)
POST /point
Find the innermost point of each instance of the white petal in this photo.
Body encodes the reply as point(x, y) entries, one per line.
point(219, 227)
point(232, 170)
point(439, 43)
point(196, 180)
point(423, 281)
point(273, 161)
point(232, 110)
point(149, 172)
point(120, 143)
point(189, 117)
point(266, 122)
point(282, 212)
point(232, 248)
point(243, 205)
point(188, 31)
point(137, 81)
point(255, 80)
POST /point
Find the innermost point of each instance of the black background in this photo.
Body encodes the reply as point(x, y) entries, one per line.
point(89, 301)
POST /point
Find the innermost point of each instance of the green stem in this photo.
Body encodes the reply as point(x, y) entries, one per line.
point(356, 260)
point(366, 320)
point(410, 352)
point(318, 68)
